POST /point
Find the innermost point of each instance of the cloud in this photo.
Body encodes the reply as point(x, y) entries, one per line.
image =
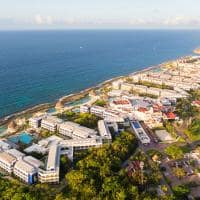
point(182, 21)
point(43, 20)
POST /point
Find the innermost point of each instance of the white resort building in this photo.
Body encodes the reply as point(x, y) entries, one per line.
point(104, 131)
point(25, 171)
point(51, 174)
point(7, 161)
point(50, 123)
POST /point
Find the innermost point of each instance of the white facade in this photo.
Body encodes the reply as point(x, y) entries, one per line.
point(25, 171)
point(17, 154)
point(140, 133)
point(82, 143)
point(35, 122)
point(4, 145)
point(74, 130)
point(104, 131)
point(51, 174)
point(84, 109)
point(7, 161)
point(50, 123)
point(97, 110)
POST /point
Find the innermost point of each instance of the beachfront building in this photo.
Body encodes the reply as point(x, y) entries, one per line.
point(35, 122)
point(126, 86)
point(113, 116)
point(104, 131)
point(117, 84)
point(116, 93)
point(25, 171)
point(74, 130)
point(84, 109)
point(82, 143)
point(121, 104)
point(140, 133)
point(51, 123)
point(97, 110)
point(7, 162)
point(51, 174)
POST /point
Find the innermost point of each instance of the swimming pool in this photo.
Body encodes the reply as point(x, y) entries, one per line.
point(24, 138)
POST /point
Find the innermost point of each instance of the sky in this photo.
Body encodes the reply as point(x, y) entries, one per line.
point(103, 14)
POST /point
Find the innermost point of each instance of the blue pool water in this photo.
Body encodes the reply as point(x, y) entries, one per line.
point(24, 138)
point(41, 66)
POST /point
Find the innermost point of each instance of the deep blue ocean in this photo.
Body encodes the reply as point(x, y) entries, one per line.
point(41, 66)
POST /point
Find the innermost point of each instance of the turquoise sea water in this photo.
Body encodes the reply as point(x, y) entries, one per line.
point(41, 66)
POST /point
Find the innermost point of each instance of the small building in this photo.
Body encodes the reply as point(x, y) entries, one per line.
point(17, 154)
point(74, 130)
point(7, 161)
point(51, 123)
point(104, 131)
point(140, 133)
point(36, 148)
point(51, 174)
point(82, 143)
point(97, 110)
point(164, 136)
point(33, 161)
point(84, 109)
point(25, 171)
point(4, 145)
point(35, 122)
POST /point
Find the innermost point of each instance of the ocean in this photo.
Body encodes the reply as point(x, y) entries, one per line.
point(41, 66)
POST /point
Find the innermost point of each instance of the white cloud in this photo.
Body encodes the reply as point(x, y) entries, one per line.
point(43, 20)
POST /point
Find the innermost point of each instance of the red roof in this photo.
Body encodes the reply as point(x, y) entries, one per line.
point(196, 102)
point(122, 102)
point(141, 109)
point(170, 115)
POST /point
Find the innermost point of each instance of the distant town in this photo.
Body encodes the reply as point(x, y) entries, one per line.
point(154, 113)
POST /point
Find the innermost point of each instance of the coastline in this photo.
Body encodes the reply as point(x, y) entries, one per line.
point(73, 96)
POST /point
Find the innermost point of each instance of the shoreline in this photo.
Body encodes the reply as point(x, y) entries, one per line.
point(73, 96)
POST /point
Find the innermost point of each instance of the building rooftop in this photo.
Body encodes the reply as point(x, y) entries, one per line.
point(24, 166)
point(52, 158)
point(33, 161)
point(7, 157)
point(14, 152)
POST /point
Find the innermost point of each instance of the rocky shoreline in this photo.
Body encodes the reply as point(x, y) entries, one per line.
point(67, 98)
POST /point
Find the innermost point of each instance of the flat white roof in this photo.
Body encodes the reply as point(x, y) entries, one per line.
point(50, 140)
point(163, 135)
point(52, 158)
point(14, 152)
point(24, 166)
point(103, 129)
point(4, 144)
point(35, 148)
point(7, 158)
point(33, 161)
point(82, 142)
point(52, 120)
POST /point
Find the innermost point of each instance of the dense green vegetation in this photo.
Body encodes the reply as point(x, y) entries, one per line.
point(13, 190)
point(193, 131)
point(99, 174)
point(181, 192)
point(84, 119)
point(148, 95)
point(100, 102)
point(174, 152)
point(155, 85)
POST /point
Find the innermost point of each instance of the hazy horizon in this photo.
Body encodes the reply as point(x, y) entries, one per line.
point(93, 14)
